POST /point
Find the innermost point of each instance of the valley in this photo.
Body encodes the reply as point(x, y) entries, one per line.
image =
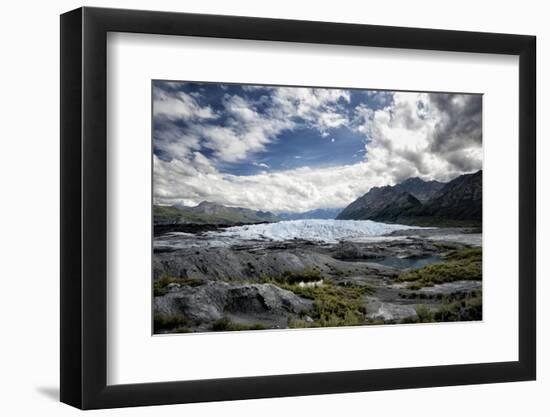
point(408, 253)
point(257, 282)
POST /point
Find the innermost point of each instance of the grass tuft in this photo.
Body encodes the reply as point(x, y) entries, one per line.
point(168, 322)
point(160, 286)
point(296, 277)
point(467, 308)
point(226, 325)
point(424, 314)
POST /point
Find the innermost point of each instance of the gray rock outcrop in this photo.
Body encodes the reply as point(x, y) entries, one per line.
point(264, 304)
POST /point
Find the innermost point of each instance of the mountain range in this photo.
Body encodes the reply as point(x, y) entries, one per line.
point(329, 213)
point(413, 201)
point(210, 213)
point(418, 202)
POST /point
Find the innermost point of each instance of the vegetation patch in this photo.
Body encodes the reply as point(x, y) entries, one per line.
point(333, 305)
point(166, 214)
point(182, 330)
point(469, 308)
point(169, 322)
point(307, 275)
point(226, 325)
point(459, 265)
point(424, 314)
point(161, 285)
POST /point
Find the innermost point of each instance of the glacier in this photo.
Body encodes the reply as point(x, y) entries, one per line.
point(329, 231)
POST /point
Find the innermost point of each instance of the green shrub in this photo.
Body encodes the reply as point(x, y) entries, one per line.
point(182, 330)
point(296, 277)
point(226, 325)
point(160, 286)
point(464, 264)
point(363, 289)
point(424, 314)
point(333, 305)
point(472, 254)
point(168, 322)
point(467, 309)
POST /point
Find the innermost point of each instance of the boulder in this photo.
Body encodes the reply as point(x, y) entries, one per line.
point(264, 304)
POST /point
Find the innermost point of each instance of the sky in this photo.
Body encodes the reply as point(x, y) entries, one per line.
point(296, 149)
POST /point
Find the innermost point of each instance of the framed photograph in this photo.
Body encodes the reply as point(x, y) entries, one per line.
point(256, 208)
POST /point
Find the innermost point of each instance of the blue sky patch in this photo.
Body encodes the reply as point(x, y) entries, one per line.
point(309, 141)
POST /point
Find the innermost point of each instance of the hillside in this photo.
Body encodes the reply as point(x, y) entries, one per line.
point(381, 203)
point(420, 189)
point(209, 213)
point(460, 199)
point(414, 201)
point(329, 213)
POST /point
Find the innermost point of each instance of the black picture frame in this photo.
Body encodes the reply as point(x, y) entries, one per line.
point(84, 207)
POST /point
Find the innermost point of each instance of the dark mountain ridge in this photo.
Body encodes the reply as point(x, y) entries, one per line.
point(386, 203)
point(460, 199)
point(418, 202)
point(422, 190)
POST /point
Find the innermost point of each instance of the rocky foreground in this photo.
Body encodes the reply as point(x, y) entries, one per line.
point(409, 276)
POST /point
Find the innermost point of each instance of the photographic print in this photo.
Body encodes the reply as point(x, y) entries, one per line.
point(283, 207)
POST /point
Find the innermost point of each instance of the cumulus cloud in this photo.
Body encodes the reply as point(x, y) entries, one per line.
point(179, 105)
point(318, 107)
point(433, 136)
point(293, 190)
point(457, 134)
point(243, 132)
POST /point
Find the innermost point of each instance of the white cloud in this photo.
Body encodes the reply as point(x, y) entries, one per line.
point(179, 105)
point(293, 190)
point(400, 144)
point(260, 164)
point(401, 139)
point(318, 107)
point(245, 131)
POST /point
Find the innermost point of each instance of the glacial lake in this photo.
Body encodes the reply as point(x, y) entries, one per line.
point(402, 263)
